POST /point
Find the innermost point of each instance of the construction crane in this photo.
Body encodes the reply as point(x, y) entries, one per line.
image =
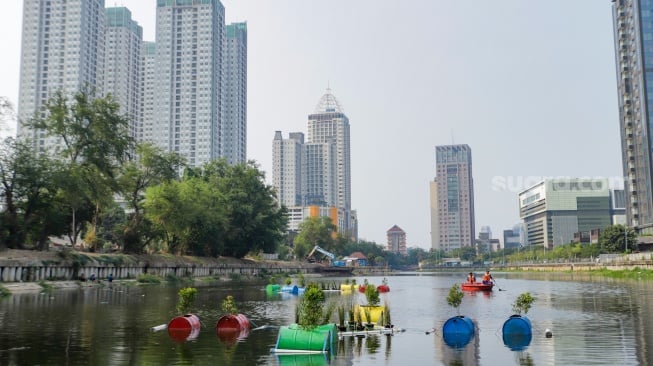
point(319, 249)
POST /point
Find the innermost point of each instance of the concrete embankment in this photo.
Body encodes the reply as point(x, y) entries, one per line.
point(29, 266)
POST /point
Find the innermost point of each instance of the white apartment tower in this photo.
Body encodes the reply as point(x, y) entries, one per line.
point(148, 82)
point(189, 77)
point(234, 132)
point(122, 72)
point(329, 125)
point(62, 50)
point(287, 173)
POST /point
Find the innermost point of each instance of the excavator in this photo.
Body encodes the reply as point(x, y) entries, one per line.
point(333, 264)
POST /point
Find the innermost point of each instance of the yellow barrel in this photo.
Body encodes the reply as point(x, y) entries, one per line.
point(348, 288)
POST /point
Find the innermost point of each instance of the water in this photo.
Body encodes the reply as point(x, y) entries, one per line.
point(594, 321)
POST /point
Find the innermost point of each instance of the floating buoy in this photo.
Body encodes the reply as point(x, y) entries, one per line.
point(458, 331)
point(183, 328)
point(548, 333)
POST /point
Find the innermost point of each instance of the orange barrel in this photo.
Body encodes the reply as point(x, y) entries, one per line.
point(184, 327)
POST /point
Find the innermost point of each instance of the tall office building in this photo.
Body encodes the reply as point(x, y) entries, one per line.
point(328, 125)
point(452, 198)
point(633, 35)
point(62, 50)
point(234, 133)
point(122, 71)
point(316, 174)
point(189, 78)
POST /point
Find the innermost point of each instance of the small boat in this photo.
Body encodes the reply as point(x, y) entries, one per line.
point(477, 286)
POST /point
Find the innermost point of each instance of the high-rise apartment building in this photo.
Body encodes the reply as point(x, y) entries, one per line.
point(633, 35)
point(148, 83)
point(287, 172)
point(62, 50)
point(452, 198)
point(189, 74)
point(122, 71)
point(234, 144)
point(317, 173)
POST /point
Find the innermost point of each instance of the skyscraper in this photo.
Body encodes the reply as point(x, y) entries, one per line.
point(317, 173)
point(234, 133)
point(189, 78)
point(122, 71)
point(148, 83)
point(452, 198)
point(633, 35)
point(62, 50)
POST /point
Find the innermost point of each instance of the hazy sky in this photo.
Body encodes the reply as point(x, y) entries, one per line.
point(529, 85)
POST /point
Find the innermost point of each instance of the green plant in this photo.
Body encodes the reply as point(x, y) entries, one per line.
point(272, 280)
point(302, 280)
point(368, 314)
point(186, 299)
point(46, 286)
point(4, 292)
point(229, 305)
point(455, 296)
point(387, 320)
point(288, 281)
point(523, 303)
point(372, 295)
point(341, 315)
point(328, 312)
point(148, 278)
point(310, 312)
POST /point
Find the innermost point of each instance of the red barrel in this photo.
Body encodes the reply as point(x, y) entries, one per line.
point(383, 288)
point(183, 328)
point(232, 322)
point(230, 328)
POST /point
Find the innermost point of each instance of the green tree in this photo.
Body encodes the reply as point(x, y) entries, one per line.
point(614, 238)
point(28, 187)
point(151, 167)
point(95, 141)
point(314, 231)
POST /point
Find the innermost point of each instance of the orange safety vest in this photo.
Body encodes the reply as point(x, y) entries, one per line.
point(487, 277)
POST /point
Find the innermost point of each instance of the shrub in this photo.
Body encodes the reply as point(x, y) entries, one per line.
point(229, 305)
point(455, 296)
point(523, 303)
point(186, 299)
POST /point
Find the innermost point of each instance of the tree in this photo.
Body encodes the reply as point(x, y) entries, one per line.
point(314, 231)
point(151, 167)
point(95, 141)
point(28, 187)
point(615, 239)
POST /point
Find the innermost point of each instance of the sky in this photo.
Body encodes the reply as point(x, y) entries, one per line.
point(529, 85)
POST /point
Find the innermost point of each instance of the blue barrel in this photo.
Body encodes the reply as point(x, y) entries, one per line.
point(517, 324)
point(517, 332)
point(290, 289)
point(458, 331)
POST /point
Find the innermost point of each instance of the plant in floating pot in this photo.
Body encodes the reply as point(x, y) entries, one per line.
point(232, 326)
point(368, 318)
point(310, 333)
point(458, 330)
point(186, 326)
point(517, 329)
point(341, 318)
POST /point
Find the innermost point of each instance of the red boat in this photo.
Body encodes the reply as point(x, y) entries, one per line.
point(477, 286)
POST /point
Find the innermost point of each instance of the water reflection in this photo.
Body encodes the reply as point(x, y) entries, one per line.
point(602, 320)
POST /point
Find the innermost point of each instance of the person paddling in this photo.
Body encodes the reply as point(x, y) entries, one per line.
point(487, 278)
point(471, 278)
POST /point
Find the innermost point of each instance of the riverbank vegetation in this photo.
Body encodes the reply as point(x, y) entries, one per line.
point(213, 210)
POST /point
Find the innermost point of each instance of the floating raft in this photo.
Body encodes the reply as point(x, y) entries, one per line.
point(386, 331)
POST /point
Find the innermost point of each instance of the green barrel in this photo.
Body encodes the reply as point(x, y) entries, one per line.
point(272, 288)
point(293, 337)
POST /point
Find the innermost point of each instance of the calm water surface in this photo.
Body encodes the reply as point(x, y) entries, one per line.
point(594, 321)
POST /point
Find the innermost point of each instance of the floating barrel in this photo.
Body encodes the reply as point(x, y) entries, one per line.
point(458, 325)
point(320, 339)
point(517, 324)
point(290, 289)
point(184, 328)
point(232, 327)
point(348, 287)
point(457, 340)
point(517, 332)
point(272, 288)
point(383, 288)
point(362, 288)
point(232, 322)
point(375, 313)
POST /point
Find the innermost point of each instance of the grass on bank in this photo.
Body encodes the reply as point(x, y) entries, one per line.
point(632, 274)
